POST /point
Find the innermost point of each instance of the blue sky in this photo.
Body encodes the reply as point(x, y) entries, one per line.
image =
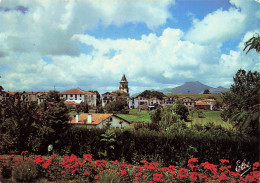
point(157, 44)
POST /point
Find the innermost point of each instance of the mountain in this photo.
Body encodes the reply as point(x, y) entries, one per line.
point(193, 87)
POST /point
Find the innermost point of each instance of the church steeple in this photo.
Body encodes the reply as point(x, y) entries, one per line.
point(123, 78)
point(124, 84)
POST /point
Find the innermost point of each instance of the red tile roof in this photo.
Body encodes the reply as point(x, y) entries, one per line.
point(71, 103)
point(76, 91)
point(201, 103)
point(209, 100)
point(96, 118)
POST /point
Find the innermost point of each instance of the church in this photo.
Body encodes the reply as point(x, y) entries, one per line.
point(112, 96)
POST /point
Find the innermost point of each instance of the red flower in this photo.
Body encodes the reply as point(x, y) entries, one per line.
point(223, 177)
point(193, 176)
point(192, 160)
point(87, 157)
point(86, 173)
point(255, 165)
point(158, 177)
point(122, 173)
point(46, 165)
point(62, 172)
point(74, 171)
point(11, 156)
point(24, 153)
point(182, 173)
point(54, 156)
point(224, 161)
point(96, 177)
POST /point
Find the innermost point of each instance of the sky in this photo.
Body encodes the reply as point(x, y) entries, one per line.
point(156, 43)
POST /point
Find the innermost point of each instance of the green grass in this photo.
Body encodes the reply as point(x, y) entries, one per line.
point(136, 116)
point(210, 116)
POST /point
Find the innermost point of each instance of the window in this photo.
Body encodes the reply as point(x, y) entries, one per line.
point(79, 95)
point(71, 95)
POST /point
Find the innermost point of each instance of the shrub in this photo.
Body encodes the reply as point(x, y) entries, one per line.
point(200, 114)
point(26, 171)
point(6, 172)
point(109, 176)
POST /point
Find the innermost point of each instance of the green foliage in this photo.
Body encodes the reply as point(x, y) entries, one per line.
point(156, 115)
point(83, 107)
point(26, 125)
point(6, 172)
point(26, 171)
point(108, 140)
point(173, 145)
point(243, 101)
point(206, 91)
point(120, 105)
point(200, 114)
point(253, 43)
point(151, 94)
point(168, 118)
point(180, 109)
point(108, 176)
point(53, 96)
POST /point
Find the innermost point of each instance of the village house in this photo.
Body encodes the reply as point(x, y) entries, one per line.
point(99, 120)
point(41, 97)
point(168, 101)
point(77, 95)
point(188, 102)
point(211, 102)
point(202, 105)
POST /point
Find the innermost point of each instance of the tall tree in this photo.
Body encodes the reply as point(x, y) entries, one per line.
point(180, 109)
point(243, 101)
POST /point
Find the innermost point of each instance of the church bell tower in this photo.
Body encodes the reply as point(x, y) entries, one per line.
point(124, 84)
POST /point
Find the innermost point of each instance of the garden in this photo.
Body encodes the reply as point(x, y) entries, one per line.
point(54, 168)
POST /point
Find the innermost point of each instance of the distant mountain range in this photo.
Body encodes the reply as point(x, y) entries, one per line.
point(194, 87)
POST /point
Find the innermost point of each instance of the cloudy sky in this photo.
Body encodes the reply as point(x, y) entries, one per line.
point(156, 43)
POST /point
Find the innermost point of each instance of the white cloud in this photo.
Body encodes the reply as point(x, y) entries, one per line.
point(154, 61)
point(220, 26)
point(48, 26)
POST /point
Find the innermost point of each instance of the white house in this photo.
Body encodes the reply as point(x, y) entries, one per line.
point(100, 120)
point(79, 95)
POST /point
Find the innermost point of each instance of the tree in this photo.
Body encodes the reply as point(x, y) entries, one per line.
point(243, 101)
point(155, 115)
point(53, 96)
point(151, 94)
point(253, 43)
point(120, 105)
point(180, 109)
point(206, 91)
point(168, 117)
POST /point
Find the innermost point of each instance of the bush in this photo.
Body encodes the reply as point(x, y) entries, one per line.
point(200, 114)
point(26, 171)
point(109, 176)
point(6, 172)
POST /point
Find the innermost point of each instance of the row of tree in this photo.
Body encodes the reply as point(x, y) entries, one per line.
point(27, 125)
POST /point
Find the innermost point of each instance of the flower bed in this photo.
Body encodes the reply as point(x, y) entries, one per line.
point(85, 169)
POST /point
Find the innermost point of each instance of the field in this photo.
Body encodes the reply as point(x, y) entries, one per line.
point(199, 96)
point(209, 116)
point(136, 116)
